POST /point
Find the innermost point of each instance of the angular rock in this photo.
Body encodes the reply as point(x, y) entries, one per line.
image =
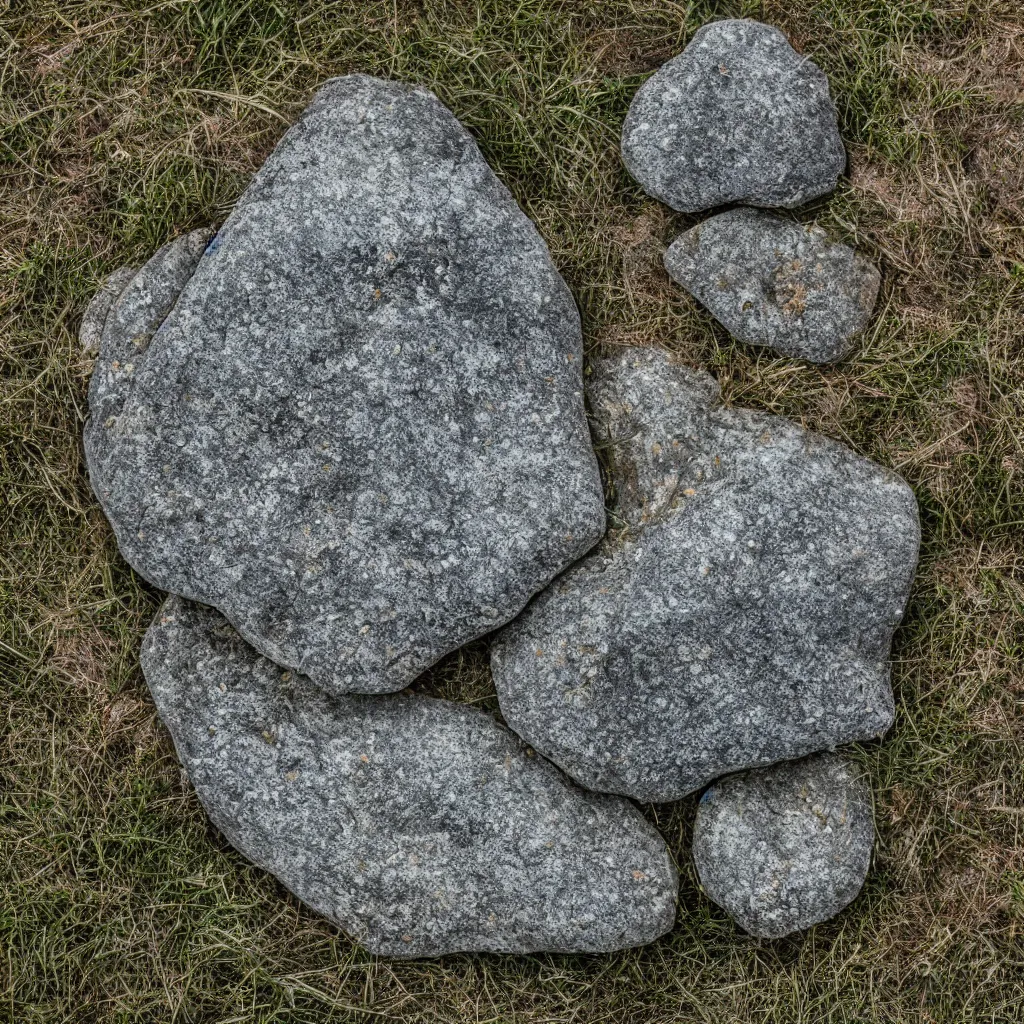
point(741, 615)
point(738, 117)
point(421, 827)
point(770, 281)
point(783, 848)
point(358, 430)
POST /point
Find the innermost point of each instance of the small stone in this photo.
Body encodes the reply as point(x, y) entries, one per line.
point(770, 281)
point(419, 826)
point(784, 848)
point(353, 421)
point(742, 613)
point(738, 117)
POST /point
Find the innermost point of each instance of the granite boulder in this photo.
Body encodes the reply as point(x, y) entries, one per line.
point(354, 422)
point(419, 826)
point(740, 614)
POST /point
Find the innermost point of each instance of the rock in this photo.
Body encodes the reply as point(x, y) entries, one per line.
point(421, 827)
point(783, 848)
point(738, 117)
point(358, 430)
point(740, 615)
point(122, 319)
point(770, 281)
point(94, 319)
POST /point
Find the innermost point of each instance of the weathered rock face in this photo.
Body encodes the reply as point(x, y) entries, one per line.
point(737, 117)
point(122, 319)
point(783, 848)
point(359, 429)
point(773, 282)
point(420, 826)
point(94, 320)
point(744, 615)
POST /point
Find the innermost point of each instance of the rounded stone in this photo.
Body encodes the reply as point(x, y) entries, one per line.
point(738, 117)
point(784, 848)
point(771, 281)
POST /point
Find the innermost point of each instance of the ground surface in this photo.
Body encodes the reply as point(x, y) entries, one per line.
point(122, 124)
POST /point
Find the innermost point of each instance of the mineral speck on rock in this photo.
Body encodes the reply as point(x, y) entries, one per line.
point(770, 281)
point(421, 827)
point(353, 422)
point(741, 615)
point(783, 848)
point(738, 117)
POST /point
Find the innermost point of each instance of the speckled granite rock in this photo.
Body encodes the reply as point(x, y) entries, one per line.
point(737, 117)
point(122, 319)
point(420, 826)
point(773, 282)
point(783, 848)
point(744, 614)
point(359, 432)
point(94, 320)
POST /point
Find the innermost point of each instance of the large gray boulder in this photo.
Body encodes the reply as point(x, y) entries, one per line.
point(738, 117)
point(783, 848)
point(354, 424)
point(419, 826)
point(770, 281)
point(741, 615)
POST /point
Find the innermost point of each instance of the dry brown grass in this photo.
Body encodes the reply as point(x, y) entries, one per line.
point(124, 123)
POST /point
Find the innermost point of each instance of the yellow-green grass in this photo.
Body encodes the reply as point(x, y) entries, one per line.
point(122, 124)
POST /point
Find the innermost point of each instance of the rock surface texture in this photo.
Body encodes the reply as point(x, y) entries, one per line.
point(354, 424)
point(421, 827)
point(770, 281)
point(94, 321)
point(742, 615)
point(121, 321)
point(738, 117)
point(783, 848)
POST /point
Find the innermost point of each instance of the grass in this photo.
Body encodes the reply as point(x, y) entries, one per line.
point(126, 122)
